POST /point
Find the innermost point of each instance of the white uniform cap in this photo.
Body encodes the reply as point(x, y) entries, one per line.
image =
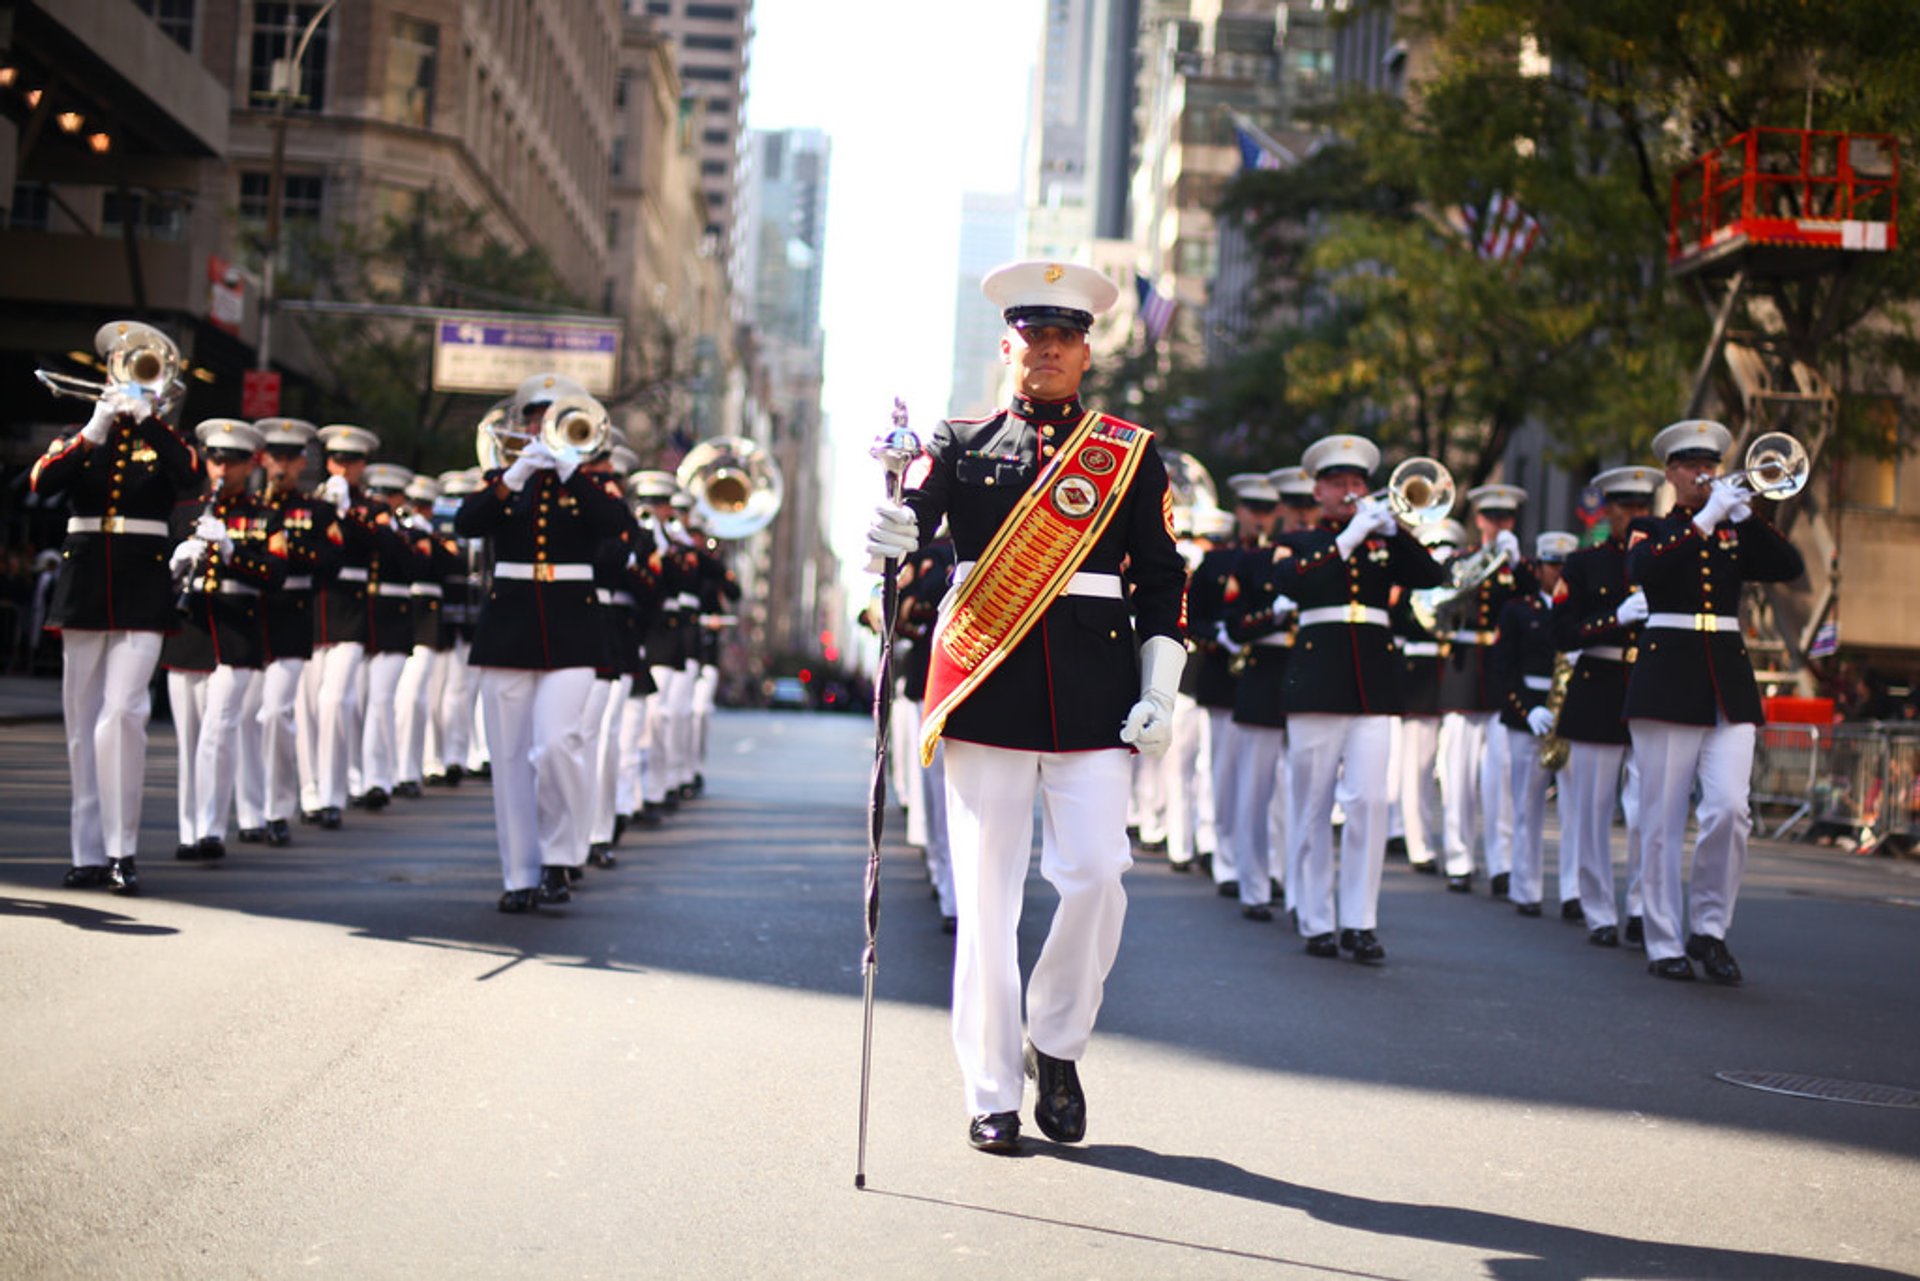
point(458, 484)
point(228, 433)
point(1292, 482)
point(542, 388)
point(1049, 293)
point(1252, 487)
point(423, 489)
point(1554, 546)
point(682, 501)
point(1441, 533)
point(1211, 522)
point(387, 477)
point(1628, 482)
point(344, 438)
point(285, 431)
point(1700, 437)
point(1329, 452)
point(624, 460)
point(1496, 498)
point(652, 486)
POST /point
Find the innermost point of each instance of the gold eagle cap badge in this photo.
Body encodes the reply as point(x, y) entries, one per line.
point(1054, 272)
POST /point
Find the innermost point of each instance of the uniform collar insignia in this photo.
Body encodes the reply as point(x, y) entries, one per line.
point(1046, 411)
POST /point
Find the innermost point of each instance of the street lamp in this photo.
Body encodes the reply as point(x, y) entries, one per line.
point(283, 86)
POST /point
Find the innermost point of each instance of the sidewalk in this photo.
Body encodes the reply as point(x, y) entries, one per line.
point(26, 699)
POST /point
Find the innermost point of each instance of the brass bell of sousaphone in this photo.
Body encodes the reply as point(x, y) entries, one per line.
point(735, 485)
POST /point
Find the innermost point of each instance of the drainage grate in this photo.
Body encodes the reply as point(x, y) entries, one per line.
point(1825, 1087)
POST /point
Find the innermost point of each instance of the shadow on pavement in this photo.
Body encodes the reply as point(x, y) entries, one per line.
point(81, 918)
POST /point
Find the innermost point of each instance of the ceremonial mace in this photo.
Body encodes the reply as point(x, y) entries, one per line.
point(896, 450)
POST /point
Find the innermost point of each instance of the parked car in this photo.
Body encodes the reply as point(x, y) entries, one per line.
point(788, 691)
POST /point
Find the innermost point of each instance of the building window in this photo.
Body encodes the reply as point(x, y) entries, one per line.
point(660, 8)
point(613, 228)
point(173, 17)
point(716, 137)
point(620, 89)
point(717, 44)
point(706, 73)
point(32, 209)
point(714, 12)
point(300, 195)
point(149, 217)
point(715, 197)
point(413, 53)
point(713, 168)
point(617, 159)
point(277, 29)
point(717, 105)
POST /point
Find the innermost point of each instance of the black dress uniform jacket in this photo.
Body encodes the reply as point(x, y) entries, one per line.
point(221, 626)
point(1524, 648)
point(526, 622)
point(1692, 677)
point(111, 580)
point(440, 568)
point(340, 586)
point(289, 607)
point(1596, 583)
point(1468, 685)
point(1348, 669)
point(392, 563)
point(1067, 686)
point(920, 594)
point(1212, 668)
point(670, 635)
point(1420, 673)
point(1259, 694)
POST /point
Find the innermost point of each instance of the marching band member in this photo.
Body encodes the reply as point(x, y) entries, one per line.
point(1473, 767)
point(330, 687)
point(1037, 688)
point(229, 552)
point(1422, 662)
point(1343, 690)
point(122, 474)
point(1599, 616)
point(424, 673)
point(538, 643)
point(450, 724)
point(1521, 664)
point(389, 638)
point(267, 784)
point(1692, 703)
point(1298, 509)
point(718, 591)
point(1191, 833)
point(615, 565)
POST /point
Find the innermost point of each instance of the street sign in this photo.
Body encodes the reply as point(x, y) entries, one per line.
point(498, 354)
point(260, 393)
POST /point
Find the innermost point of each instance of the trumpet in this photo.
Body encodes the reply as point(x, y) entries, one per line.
point(573, 422)
point(1777, 466)
point(138, 357)
point(1420, 491)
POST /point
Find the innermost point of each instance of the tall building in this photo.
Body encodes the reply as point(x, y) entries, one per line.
point(989, 236)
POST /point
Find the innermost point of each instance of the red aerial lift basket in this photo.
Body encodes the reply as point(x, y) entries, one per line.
point(1785, 189)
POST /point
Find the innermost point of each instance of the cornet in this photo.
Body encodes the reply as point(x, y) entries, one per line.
point(575, 423)
point(139, 358)
point(1420, 491)
point(1777, 466)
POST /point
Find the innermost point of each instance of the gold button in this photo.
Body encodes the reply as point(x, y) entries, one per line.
point(1046, 431)
point(1113, 635)
point(989, 480)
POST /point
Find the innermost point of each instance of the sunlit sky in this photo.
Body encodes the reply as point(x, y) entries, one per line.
point(923, 100)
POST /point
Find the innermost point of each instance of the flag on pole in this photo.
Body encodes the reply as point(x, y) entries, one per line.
point(1254, 154)
point(1156, 310)
point(1502, 231)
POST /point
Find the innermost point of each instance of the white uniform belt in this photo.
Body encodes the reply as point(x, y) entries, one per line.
point(1085, 583)
point(393, 589)
point(1612, 653)
point(1279, 640)
point(352, 574)
point(1471, 638)
point(1420, 649)
point(686, 600)
point(428, 589)
point(1537, 682)
point(116, 525)
point(609, 597)
point(1695, 622)
point(297, 583)
point(1364, 614)
point(226, 587)
point(543, 571)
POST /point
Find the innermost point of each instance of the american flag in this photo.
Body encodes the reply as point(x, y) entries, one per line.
point(1501, 232)
point(1254, 153)
point(1156, 310)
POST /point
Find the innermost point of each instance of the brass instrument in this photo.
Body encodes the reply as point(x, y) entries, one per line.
point(1777, 466)
point(139, 358)
point(1420, 491)
point(1436, 608)
point(570, 423)
point(1554, 750)
point(1190, 487)
point(734, 483)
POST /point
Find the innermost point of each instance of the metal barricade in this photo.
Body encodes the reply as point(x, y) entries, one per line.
point(1903, 785)
point(1850, 786)
point(1787, 771)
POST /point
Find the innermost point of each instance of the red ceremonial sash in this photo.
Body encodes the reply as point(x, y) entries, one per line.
point(1037, 550)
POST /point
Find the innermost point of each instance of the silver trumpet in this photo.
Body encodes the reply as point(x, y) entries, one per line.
point(139, 358)
point(1777, 466)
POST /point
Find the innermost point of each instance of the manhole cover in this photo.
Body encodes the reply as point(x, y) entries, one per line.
point(1825, 1087)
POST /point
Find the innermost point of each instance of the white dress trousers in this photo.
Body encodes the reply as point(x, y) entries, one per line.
point(104, 696)
point(412, 712)
point(1591, 785)
point(306, 722)
point(1671, 758)
point(268, 778)
point(1224, 741)
point(450, 722)
point(379, 756)
point(537, 738)
point(706, 686)
point(207, 707)
point(1473, 774)
point(633, 735)
point(685, 725)
point(909, 777)
point(1262, 753)
point(1319, 747)
point(1083, 853)
point(1527, 792)
point(605, 754)
point(933, 799)
point(1187, 770)
point(1422, 811)
point(1147, 802)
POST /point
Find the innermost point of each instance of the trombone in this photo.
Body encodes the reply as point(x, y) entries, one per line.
point(1777, 466)
point(138, 357)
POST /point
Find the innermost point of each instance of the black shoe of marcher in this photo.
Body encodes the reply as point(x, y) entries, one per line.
point(1714, 958)
point(454, 774)
point(187, 853)
point(409, 789)
point(377, 798)
point(1181, 868)
point(1605, 936)
point(1461, 884)
point(1636, 933)
point(1059, 1108)
point(513, 902)
point(670, 802)
point(600, 854)
point(122, 876)
point(92, 877)
point(1431, 867)
point(1364, 946)
point(1498, 885)
point(330, 818)
point(278, 833)
point(994, 1132)
point(1228, 889)
point(1396, 847)
point(1257, 912)
point(553, 885)
point(436, 780)
point(619, 828)
point(1527, 909)
point(1204, 862)
point(1570, 910)
point(212, 849)
point(648, 815)
point(309, 817)
point(576, 874)
point(949, 925)
point(356, 802)
point(485, 770)
point(1322, 945)
point(1673, 967)
point(252, 835)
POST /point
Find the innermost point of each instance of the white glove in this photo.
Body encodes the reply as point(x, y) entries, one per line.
point(100, 426)
point(565, 463)
point(1370, 516)
point(1742, 508)
point(1284, 607)
point(212, 531)
point(1720, 501)
point(1633, 609)
point(185, 555)
point(1227, 642)
point(895, 532)
point(134, 404)
point(1505, 541)
point(1149, 723)
point(1540, 721)
point(338, 492)
point(535, 457)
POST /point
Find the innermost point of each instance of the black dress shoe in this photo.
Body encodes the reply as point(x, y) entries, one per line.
point(1322, 945)
point(377, 798)
point(330, 818)
point(699, 783)
point(1364, 946)
point(576, 874)
point(995, 1132)
point(1570, 910)
point(436, 780)
point(91, 877)
point(1396, 847)
point(1257, 912)
point(1228, 889)
point(1498, 885)
point(1527, 909)
point(1605, 936)
point(309, 817)
point(122, 876)
point(1431, 867)
point(1673, 967)
point(670, 803)
point(409, 789)
point(1154, 847)
point(454, 774)
point(1180, 868)
point(648, 815)
point(1636, 935)
point(1461, 884)
point(949, 925)
point(600, 854)
point(356, 802)
point(212, 849)
point(485, 770)
point(1059, 1108)
point(278, 833)
point(252, 835)
point(553, 885)
point(514, 902)
point(187, 853)
point(619, 828)
point(686, 792)
point(1714, 958)
point(1204, 862)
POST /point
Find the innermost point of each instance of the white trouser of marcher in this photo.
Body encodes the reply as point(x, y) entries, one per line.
point(684, 727)
point(104, 694)
point(278, 760)
point(606, 760)
point(933, 797)
point(1496, 802)
point(450, 724)
point(1569, 855)
point(1318, 747)
point(1278, 846)
point(206, 725)
point(705, 686)
point(1671, 758)
point(250, 761)
point(1461, 773)
point(594, 719)
point(1630, 810)
point(537, 739)
point(477, 744)
point(909, 776)
point(633, 733)
point(1590, 785)
point(1224, 737)
point(670, 727)
point(1083, 853)
point(357, 740)
point(1396, 824)
point(1149, 800)
point(412, 712)
point(1422, 812)
point(1261, 749)
point(378, 760)
point(1186, 770)
point(1527, 787)
point(653, 746)
point(337, 718)
point(306, 726)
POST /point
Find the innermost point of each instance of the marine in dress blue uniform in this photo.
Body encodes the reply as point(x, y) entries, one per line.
point(330, 687)
point(1192, 820)
point(1521, 663)
point(436, 558)
point(1423, 657)
point(394, 565)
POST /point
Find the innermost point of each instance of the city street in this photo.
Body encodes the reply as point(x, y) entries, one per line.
point(338, 1059)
